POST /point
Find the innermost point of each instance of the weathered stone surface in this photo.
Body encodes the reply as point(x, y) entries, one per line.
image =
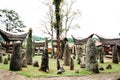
point(114, 54)
point(101, 68)
point(16, 58)
point(24, 62)
point(91, 60)
point(5, 61)
point(9, 57)
point(35, 63)
point(109, 66)
point(45, 60)
point(1, 57)
point(71, 64)
point(59, 71)
point(79, 61)
point(58, 64)
point(101, 56)
point(80, 54)
point(66, 55)
point(82, 65)
point(29, 48)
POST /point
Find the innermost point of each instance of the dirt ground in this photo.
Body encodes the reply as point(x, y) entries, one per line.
point(8, 75)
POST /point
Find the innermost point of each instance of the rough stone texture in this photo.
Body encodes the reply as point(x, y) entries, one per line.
point(91, 61)
point(35, 63)
point(1, 57)
point(5, 61)
point(33, 49)
point(101, 68)
point(62, 68)
point(15, 63)
point(24, 62)
point(80, 55)
point(45, 60)
point(58, 64)
point(114, 54)
point(82, 65)
point(66, 55)
point(71, 64)
point(100, 51)
point(109, 66)
point(9, 57)
point(79, 61)
point(119, 56)
point(29, 48)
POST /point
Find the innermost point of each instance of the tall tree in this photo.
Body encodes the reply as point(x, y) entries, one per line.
point(69, 16)
point(49, 24)
point(57, 25)
point(11, 20)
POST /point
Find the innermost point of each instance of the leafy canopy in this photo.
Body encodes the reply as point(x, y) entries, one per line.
point(11, 20)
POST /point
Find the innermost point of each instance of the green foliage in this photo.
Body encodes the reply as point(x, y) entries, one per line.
point(70, 40)
point(11, 20)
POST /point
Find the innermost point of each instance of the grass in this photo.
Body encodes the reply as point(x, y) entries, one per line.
point(31, 71)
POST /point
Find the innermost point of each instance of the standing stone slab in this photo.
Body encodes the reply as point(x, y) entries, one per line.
point(58, 64)
point(91, 61)
point(71, 64)
point(29, 48)
point(1, 57)
point(66, 55)
point(101, 54)
point(45, 61)
point(114, 54)
point(15, 63)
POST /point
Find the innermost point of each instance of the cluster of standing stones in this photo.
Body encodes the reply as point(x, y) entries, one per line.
point(20, 58)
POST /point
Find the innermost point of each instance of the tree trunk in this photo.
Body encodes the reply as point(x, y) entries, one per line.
point(16, 59)
point(52, 51)
point(57, 26)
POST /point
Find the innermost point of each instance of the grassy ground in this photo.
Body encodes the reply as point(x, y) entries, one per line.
point(31, 71)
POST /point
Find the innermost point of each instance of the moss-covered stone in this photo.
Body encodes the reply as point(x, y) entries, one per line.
point(16, 58)
point(66, 55)
point(45, 60)
point(90, 60)
point(29, 48)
